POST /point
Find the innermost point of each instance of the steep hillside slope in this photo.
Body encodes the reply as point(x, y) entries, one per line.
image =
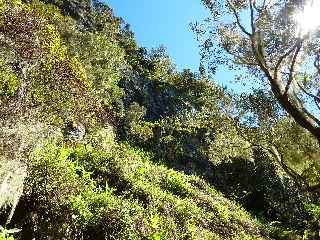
point(63, 173)
point(101, 139)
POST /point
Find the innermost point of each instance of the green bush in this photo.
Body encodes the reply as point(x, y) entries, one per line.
point(9, 82)
point(86, 192)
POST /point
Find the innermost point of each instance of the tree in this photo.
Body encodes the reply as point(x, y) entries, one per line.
point(263, 37)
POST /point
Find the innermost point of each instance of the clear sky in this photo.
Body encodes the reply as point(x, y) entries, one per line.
point(166, 22)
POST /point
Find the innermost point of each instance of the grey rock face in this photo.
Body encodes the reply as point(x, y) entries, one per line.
point(74, 132)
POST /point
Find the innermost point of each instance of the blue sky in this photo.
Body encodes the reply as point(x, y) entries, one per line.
point(166, 22)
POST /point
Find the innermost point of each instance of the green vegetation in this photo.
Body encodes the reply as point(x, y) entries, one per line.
point(101, 139)
point(9, 81)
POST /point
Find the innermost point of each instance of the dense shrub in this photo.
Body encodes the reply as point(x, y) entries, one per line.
point(121, 195)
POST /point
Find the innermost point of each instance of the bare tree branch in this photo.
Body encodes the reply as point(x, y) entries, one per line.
point(253, 27)
point(284, 56)
point(316, 62)
point(316, 98)
point(300, 181)
point(243, 29)
point(262, 48)
point(304, 110)
point(292, 67)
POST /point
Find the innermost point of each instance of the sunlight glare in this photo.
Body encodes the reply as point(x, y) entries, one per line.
point(309, 18)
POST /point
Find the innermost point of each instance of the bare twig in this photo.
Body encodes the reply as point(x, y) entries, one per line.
point(243, 29)
point(297, 178)
point(316, 98)
point(284, 56)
